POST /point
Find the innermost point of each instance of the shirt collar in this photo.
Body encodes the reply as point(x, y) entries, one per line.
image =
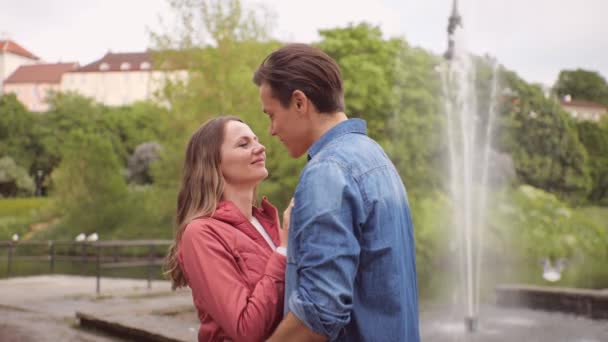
point(347, 126)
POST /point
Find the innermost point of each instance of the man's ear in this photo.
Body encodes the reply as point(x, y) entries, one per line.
point(300, 101)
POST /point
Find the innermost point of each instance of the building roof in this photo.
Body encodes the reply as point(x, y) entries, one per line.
point(132, 61)
point(583, 104)
point(40, 73)
point(14, 48)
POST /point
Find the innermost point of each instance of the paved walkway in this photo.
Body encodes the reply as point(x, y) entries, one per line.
point(43, 308)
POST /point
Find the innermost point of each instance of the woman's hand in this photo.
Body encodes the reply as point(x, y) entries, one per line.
point(284, 230)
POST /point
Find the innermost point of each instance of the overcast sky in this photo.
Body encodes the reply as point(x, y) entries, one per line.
point(536, 38)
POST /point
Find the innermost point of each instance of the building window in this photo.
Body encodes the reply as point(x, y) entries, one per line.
point(125, 66)
point(104, 66)
point(144, 66)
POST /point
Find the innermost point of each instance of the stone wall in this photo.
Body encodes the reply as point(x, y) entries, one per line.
point(583, 302)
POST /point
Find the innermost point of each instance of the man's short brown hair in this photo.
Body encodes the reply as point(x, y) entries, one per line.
point(305, 68)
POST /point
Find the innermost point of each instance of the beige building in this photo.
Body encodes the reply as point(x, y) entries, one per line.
point(12, 56)
point(119, 78)
point(116, 79)
point(32, 83)
point(584, 110)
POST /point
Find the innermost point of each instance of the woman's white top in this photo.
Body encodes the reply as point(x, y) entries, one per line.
point(254, 221)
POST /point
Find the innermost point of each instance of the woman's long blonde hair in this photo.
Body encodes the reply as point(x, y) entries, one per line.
point(202, 186)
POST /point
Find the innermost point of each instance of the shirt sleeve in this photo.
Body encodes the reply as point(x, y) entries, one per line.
point(326, 251)
point(219, 289)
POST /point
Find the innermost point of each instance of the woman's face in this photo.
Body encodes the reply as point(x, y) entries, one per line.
point(243, 158)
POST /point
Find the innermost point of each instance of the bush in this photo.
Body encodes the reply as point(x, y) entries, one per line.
point(533, 225)
point(14, 180)
point(138, 171)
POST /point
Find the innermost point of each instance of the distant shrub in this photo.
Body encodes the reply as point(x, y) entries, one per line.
point(14, 180)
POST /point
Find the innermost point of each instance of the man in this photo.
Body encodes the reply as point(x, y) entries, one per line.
point(351, 272)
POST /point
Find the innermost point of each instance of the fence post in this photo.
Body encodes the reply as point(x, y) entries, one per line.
point(52, 255)
point(84, 258)
point(98, 266)
point(150, 265)
point(10, 259)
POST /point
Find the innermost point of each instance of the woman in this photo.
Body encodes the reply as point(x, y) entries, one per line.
point(225, 249)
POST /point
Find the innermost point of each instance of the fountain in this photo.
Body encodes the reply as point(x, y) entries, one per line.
point(469, 139)
point(470, 98)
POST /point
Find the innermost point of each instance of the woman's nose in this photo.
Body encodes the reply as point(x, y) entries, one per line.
point(259, 148)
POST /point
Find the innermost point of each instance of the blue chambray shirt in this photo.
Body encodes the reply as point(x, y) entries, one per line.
point(351, 269)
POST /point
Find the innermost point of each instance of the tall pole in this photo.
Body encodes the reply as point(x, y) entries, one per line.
point(454, 21)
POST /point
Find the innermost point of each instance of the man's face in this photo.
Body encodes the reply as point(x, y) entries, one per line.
point(285, 122)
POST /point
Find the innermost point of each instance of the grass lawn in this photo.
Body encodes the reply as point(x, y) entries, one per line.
point(17, 214)
point(597, 214)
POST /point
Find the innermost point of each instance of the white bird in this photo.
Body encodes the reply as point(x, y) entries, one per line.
point(15, 237)
point(553, 273)
point(93, 237)
point(80, 237)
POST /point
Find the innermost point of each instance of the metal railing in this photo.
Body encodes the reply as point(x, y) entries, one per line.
point(87, 252)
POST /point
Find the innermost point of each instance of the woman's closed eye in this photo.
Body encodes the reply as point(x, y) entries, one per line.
point(243, 142)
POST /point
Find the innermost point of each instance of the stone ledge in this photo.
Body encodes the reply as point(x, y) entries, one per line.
point(583, 302)
point(122, 330)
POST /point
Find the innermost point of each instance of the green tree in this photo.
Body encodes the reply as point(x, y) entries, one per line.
point(130, 126)
point(543, 141)
point(90, 192)
point(67, 112)
point(582, 85)
point(394, 87)
point(125, 127)
point(17, 135)
point(367, 63)
point(221, 44)
point(415, 130)
point(595, 138)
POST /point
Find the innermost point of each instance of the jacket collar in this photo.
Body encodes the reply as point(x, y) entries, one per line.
point(267, 214)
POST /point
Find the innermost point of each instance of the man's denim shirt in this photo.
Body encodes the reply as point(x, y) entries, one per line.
point(351, 269)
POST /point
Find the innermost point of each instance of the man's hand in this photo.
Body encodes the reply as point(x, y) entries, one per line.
point(291, 329)
point(284, 229)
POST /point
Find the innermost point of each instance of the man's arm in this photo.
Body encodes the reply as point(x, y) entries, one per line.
point(293, 330)
point(325, 253)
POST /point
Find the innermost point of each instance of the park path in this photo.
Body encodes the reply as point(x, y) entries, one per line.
point(43, 308)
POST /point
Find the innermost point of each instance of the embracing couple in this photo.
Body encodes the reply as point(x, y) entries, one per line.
point(341, 266)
